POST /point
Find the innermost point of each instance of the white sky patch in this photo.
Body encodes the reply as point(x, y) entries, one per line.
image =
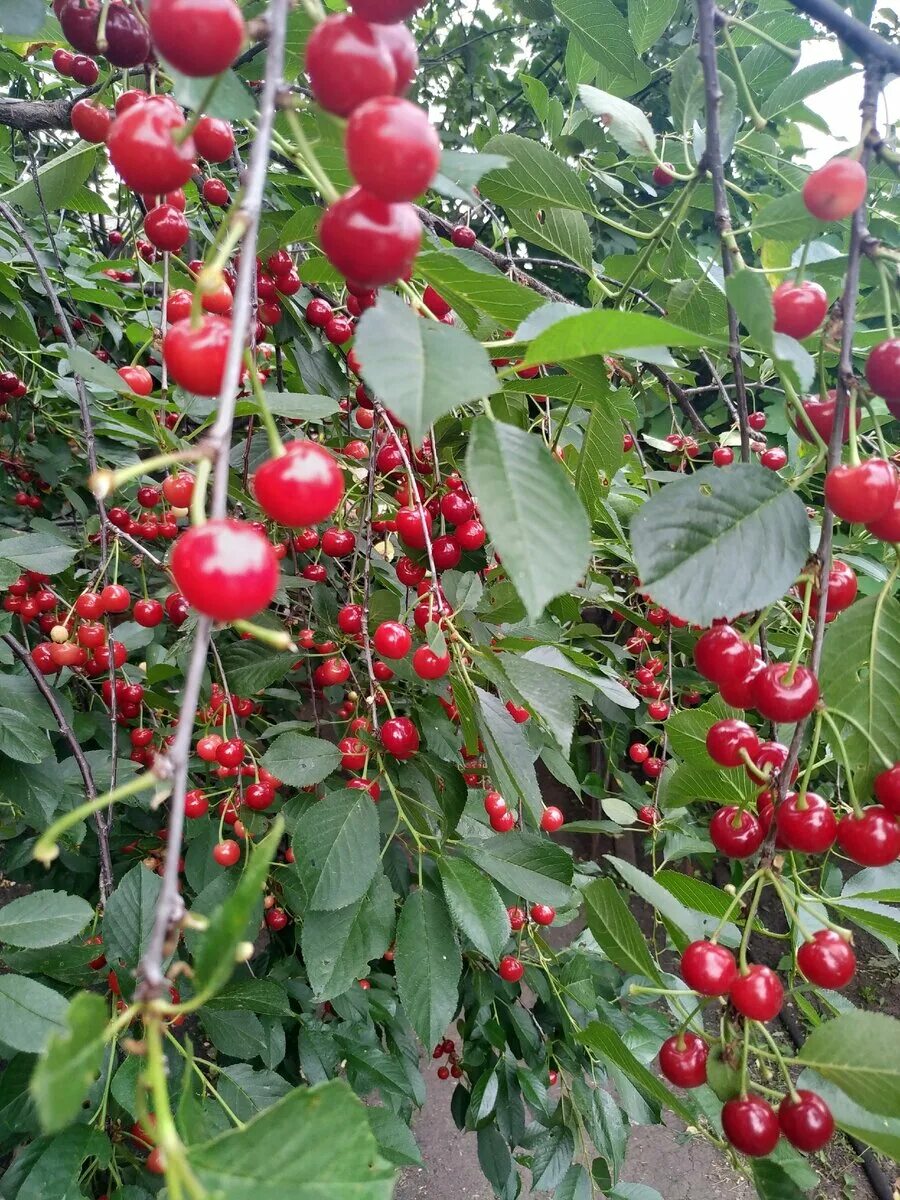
point(839, 106)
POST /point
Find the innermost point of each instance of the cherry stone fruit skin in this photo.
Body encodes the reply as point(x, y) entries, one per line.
point(835, 190)
point(225, 569)
point(806, 823)
point(198, 37)
point(393, 151)
point(195, 356)
point(758, 994)
point(828, 960)
point(301, 487)
point(214, 139)
point(726, 740)
point(510, 969)
point(142, 149)
point(882, 368)
point(401, 46)
point(91, 120)
point(806, 1121)
point(887, 789)
point(781, 700)
point(750, 1124)
point(226, 853)
point(861, 492)
point(166, 228)
point(138, 379)
point(736, 833)
point(708, 968)
point(799, 308)
point(684, 1064)
point(392, 639)
point(872, 839)
point(369, 240)
point(722, 655)
point(428, 665)
point(399, 737)
point(348, 63)
point(821, 417)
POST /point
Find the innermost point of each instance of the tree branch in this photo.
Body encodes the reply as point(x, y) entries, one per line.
point(170, 905)
point(871, 48)
point(30, 116)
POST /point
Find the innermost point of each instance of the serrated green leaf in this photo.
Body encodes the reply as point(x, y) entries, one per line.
point(70, 1062)
point(475, 906)
point(428, 965)
point(533, 177)
point(43, 918)
point(336, 849)
point(603, 331)
point(509, 754)
point(616, 931)
point(860, 1053)
point(339, 945)
point(128, 918)
point(299, 761)
point(607, 1044)
point(29, 1013)
point(60, 178)
point(648, 20)
point(602, 30)
point(529, 866)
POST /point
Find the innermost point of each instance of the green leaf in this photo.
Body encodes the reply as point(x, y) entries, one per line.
point(603, 331)
point(533, 515)
point(751, 298)
point(562, 230)
point(475, 906)
point(265, 997)
point(394, 1136)
point(214, 959)
point(339, 945)
point(685, 924)
point(551, 1156)
point(601, 450)
point(128, 916)
point(70, 1062)
point(299, 406)
point(38, 552)
point(460, 171)
point(529, 866)
point(625, 123)
point(19, 739)
point(719, 543)
point(336, 849)
point(43, 919)
point(91, 369)
point(860, 676)
point(860, 1053)
point(22, 18)
point(466, 279)
point(59, 178)
point(51, 1166)
point(247, 1091)
point(29, 1013)
point(298, 760)
point(428, 966)
point(880, 1132)
point(787, 219)
point(533, 177)
point(422, 368)
point(602, 30)
point(774, 1183)
point(616, 931)
point(549, 693)
point(607, 1044)
point(509, 754)
point(805, 82)
point(648, 20)
point(314, 1142)
point(231, 99)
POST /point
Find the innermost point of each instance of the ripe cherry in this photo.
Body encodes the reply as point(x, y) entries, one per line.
point(463, 236)
point(142, 149)
point(195, 804)
point(662, 175)
point(84, 70)
point(494, 803)
point(799, 308)
point(393, 151)
point(214, 139)
point(806, 1121)
point(338, 543)
point(276, 919)
point(736, 833)
point(510, 969)
point(806, 822)
point(542, 914)
point(301, 487)
point(842, 586)
point(758, 993)
point(647, 814)
point(226, 853)
point(887, 789)
point(471, 534)
point(195, 355)
point(429, 665)
point(872, 839)
point(214, 192)
point(62, 61)
point(882, 370)
point(552, 819)
point(127, 37)
point(230, 753)
point(178, 489)
point(353, 754)
point(225, 569)
point(682, 1060)
point(723, 456)
point(727, 742)
point(774, 458)
point(91, 120)
point(782, 699)
point(722, 655)
point(887, 527)
point(370, 240)
point(138, 379)
point(821, 417)
point(750, 1124)
point(519, 714)
point(198, 37)
point(392, 639)
point(399, 737)
point(638, 752)
point(827, 960)
point(835, 190)
point(166, 228)
point(503, 822)
point(348, 64)
point(757, 421)
point(148, 613)
point(861, 492)
point(708, 968)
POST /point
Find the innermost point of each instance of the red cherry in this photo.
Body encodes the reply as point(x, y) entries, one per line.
point(350, 618)
point(226, 853)
point(510, 969)
point(773, 755)
point(782, 700)
point(214, 192)
point(708, 968)
point(872, 839)
point(542, 914)
point(225, 569)
point(148, 613)
point(638, 752)
point(429, 665)
point(887, 789)
point(166, 228)
point(653, 767)
point(887, 527)
point(414, 527)
point(726, 740)
point(348, 64)
point(195, 355)
point(799, 308)
point(276, 919)
point(230, 753)
point(142, 149)
point(178, 489)
point(62, 61)
point(806, 822)
point(259, 796)
point(835, 190)
point(195, 805)
point(138, 379)
point(385, 12)
point(757, 421)
point(318, 312)
point(821, 416)
point(84, 70)
point(723, 456)
point(774, 458)
point(392, 639)
point(197, 37)
point(369, 240)
point(338, 329)
point(861, 492)
point(399, 737)
point(392, 149)
point(827, 960)
point(503, 822)
point(552, 819)
point(301, 487)
point(842, 586)
point(338, 543)
point(214, 139)
point(682, 1060)
point(470, 535)
point(648, 815)
point(758, 993)
point(750, 1124)
point(517, 919)
point(662, 175)
point(91, 120)
point(115, 598)
point(463, 236)
point(735, 832)
point(79, 24)
point(806, 1121)
point(722, 655)
point(882, 369)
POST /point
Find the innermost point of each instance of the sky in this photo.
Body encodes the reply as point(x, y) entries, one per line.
point(839, 105)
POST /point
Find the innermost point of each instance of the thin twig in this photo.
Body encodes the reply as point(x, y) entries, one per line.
point(367, 531)
point(170, 905)
point(679, 393)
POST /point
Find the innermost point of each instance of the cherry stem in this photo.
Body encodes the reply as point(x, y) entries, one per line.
point(788, 905)
point(728, 19)
point(752, 769)
point(198, 497)
point(798, 278)
point(102, 482)
point(736, 900)
point(278, 639)
point(181, 135)
point(275, 443)
point(811, 756)
point(779, 1058)
point(842, 751)
point(886, 295)
point(307, 158)
point(836, 712)
point(748, 921)
point(46, 848)
point(759, 121)
point(804, 620)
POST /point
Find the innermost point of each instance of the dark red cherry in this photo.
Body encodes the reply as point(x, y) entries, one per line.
point(736, 833)
point(758, 993)
point(806, 822)
point(127, 37)
point(393, 151)
point(827, 960)
point(785, 700)
point(166, 228)
point(214, 139)
point(722, 655)
point(799, 308)
point(835, 190)
point(401, 46)
point(392, 639)
point(463, 236)
point(143, 151)
point(91, 120)
point(883, 372)
point(821, 417)
point(861, 492)
point(301, 487)
point(148, 613)
point(225, 569)
point(887, 527)
point(369, 240)
point(195, 355)
point(750, 1124)
point(79, 24)
point(198, 37)
point(708, 968)
point(84, 70)
point(842, 587)
point(682, 1060)
point(662, 175)
point(728, 741)
point(887, 789)
point(399, 737)
point(348, 64)
point(806, 1121)
point(872, 839)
